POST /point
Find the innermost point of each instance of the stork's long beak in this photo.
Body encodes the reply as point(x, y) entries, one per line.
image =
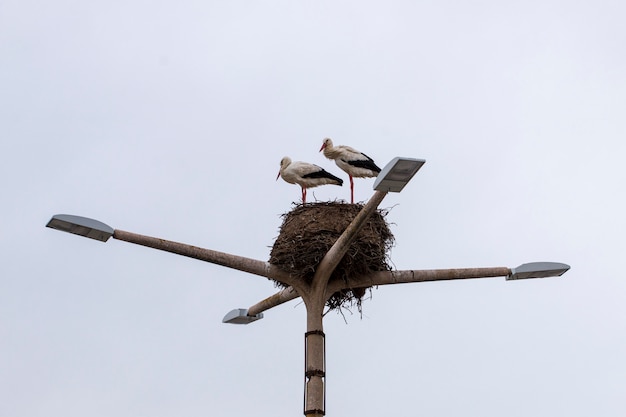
point(278, 176)
point(323, 146)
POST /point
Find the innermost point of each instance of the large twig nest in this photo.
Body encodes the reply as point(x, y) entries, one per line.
point(309, 231)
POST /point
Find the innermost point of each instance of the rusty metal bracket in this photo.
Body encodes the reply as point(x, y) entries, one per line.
point(315, 372)
point(307, 412)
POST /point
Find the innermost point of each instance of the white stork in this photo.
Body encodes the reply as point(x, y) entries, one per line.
point(306, 175)
point(353, 162)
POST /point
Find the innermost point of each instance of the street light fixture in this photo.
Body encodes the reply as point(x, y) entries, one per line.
point(524, 271)
point(538, 270)
point(397, 173)
point(240, 316)
point(81, 226)
point(393, 178)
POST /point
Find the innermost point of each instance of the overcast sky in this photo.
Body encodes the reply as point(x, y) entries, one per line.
point(170, 119)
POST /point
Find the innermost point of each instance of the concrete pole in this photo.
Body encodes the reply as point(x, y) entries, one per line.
point(282, 296)
point(252, 266)
point(419, 275)
point(315, 300)
point(315, 360)
point(385, 278)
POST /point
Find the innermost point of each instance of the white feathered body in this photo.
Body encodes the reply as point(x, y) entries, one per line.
point(306, 175)
point(356, 164)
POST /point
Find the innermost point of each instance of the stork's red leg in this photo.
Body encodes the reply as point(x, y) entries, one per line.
point(303, 195)
point(351, 190)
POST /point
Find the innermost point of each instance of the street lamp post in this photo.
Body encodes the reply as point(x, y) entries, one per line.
point(392, 178)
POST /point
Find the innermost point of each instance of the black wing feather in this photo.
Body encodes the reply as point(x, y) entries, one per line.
point(322, 173)
point(364, 163)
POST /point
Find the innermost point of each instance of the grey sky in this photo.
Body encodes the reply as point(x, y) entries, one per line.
point(170, 119)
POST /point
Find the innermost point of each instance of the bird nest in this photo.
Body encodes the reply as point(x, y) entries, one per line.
point(310, 230)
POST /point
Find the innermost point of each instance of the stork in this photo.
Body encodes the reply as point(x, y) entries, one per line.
point(305, 175)
point(353, 162)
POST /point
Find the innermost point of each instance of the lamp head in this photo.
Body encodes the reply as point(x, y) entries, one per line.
point(397, 173)
point(538, 270)
point(81, 226)
point(240, 316)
